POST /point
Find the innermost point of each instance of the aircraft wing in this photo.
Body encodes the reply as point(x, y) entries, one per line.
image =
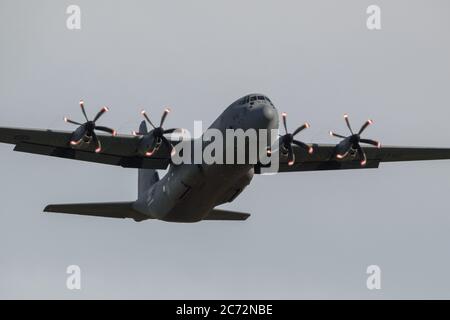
point(120, 150)
point(324, 158)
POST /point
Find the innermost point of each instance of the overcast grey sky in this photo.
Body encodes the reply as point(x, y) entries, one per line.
point(311, 235)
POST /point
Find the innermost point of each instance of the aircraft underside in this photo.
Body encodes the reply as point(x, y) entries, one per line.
point(191, 191)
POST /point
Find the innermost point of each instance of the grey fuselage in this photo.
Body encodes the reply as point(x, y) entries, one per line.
point(188, 192)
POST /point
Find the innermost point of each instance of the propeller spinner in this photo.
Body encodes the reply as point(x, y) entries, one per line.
point(353, 141)
point(87, 129)
point(287, 140)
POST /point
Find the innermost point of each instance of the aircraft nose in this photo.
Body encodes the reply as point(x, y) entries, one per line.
point(267, 112)
point(264, 116)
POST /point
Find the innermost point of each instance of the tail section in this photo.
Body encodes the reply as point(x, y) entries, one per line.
point(143, 127)
point(119, 210)
point(122, 210)
point(219, 214)
point(146, 177)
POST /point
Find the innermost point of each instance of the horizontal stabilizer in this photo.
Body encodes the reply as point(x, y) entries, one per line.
point(120, 210)
point(217, 214)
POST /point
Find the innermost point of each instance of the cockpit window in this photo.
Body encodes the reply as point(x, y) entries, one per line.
point(253, 98)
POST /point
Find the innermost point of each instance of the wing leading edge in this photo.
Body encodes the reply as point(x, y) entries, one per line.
point(119, 150)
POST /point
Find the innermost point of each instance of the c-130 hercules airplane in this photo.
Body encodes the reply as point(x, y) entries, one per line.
point(191, 192)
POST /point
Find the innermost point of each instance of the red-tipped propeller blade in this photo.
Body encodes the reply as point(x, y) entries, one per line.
point(67, 120)
point(284, 116)
point(365, 125)
point(348, 123)
point(147, 118)
point(83, 110)
point(100, 113)
point(164, 116)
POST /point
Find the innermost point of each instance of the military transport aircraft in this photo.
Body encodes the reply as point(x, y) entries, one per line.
point(191, 192)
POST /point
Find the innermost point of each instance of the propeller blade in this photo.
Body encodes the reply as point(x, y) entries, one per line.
point(343, 149)
point(106, 129)
point(83, 110)
point(336, 135)
point(72, 122)
point(100, 113)
point(301, 128)
point(78, 135)
point(365, 125)
point(348, 123)
point(291, 156)
point(169, 131)
point(169, 145)
point(136, 134)
point(342, 155)
point(284, 115)
point(304, 146)
point(147, 118)
point(362, 155)
point(371, 142)
point(97, 143)
point(164, 116)
point(152, 149)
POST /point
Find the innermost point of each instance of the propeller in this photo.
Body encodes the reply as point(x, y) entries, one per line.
point(88, 128)
point(353, 141)
point(287, 140)
point(152, 140)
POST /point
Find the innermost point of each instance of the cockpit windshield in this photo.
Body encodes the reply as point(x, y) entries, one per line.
point(253, 98)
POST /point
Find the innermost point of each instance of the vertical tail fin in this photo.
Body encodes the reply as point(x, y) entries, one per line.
point(146, 177)
point(143, 127)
